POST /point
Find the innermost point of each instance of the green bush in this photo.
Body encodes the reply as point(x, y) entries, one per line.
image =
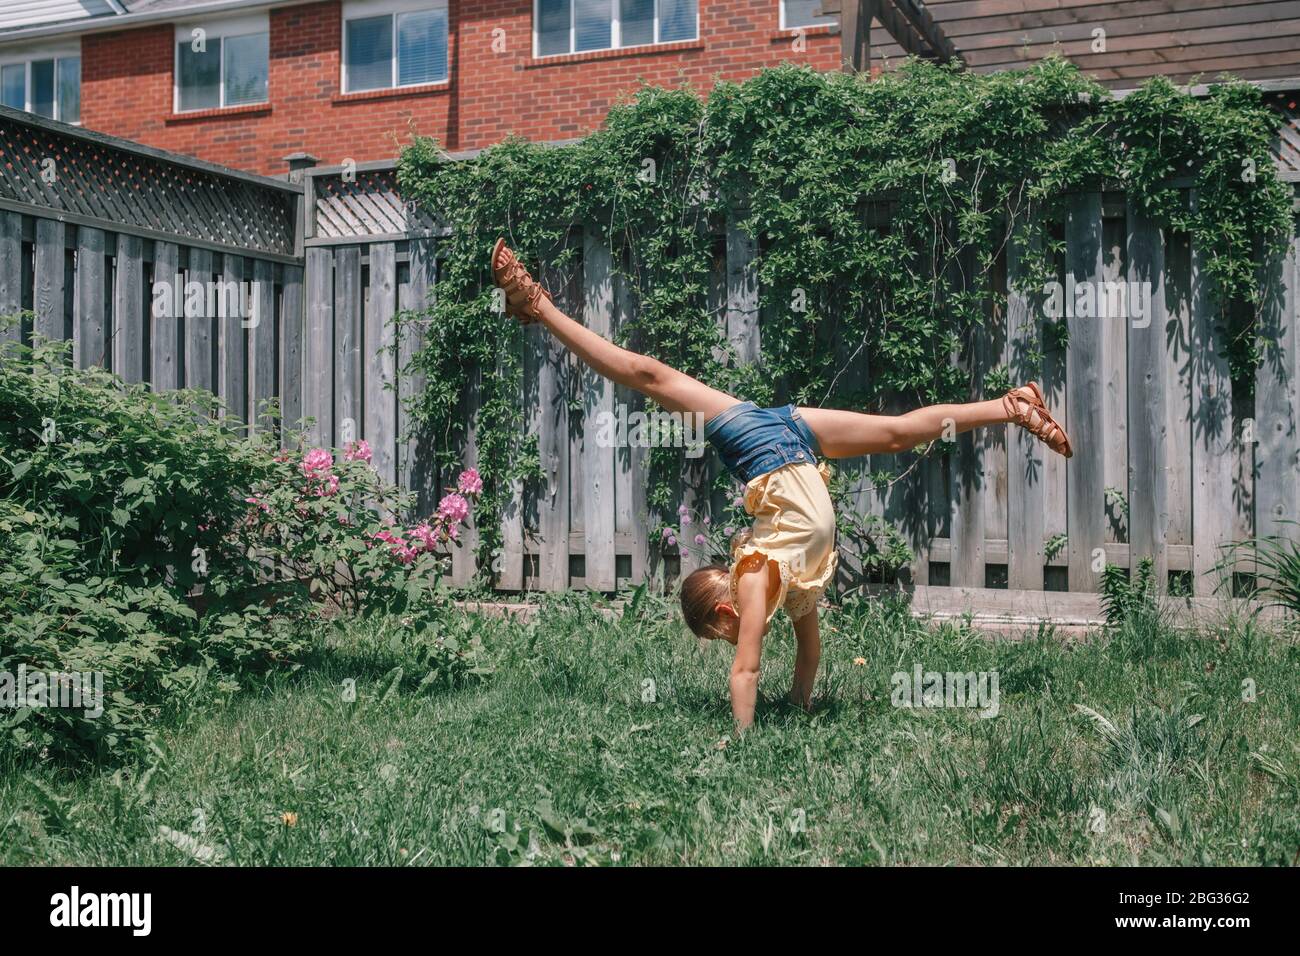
point(142, 539)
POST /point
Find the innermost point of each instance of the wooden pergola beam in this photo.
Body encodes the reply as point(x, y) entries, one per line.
point(915, 13)
point(907, 21)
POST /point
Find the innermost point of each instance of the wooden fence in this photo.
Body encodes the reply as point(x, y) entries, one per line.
point(1167, 466)
point(1169, 463)
point(91, 227)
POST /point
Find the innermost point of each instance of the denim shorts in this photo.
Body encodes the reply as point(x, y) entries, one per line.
point(753, 441)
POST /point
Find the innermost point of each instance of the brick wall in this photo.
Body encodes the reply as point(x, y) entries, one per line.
point(127, 84)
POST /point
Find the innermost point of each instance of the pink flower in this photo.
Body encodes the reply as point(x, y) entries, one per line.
point(672, 539)
point(668, 532)
point(699, 539)
point(261, 505)
point(317, 462)
point(425, 536)
point(683, 553)
point(686, 519)
point(453, 508)
point(329, 485)
point(469, 482)
point(357, 451)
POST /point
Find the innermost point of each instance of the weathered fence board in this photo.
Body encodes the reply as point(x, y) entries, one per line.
point(347, 346)
point(89, 342)
point(11, 272)
point(1025, 503)
point(1085, 481)
point(1147, 401)
point(51, 271)
point(261, 341)
point(165, 336)
point(128, 315)
point(199, 324)
point(379, 361)
point(232, 355)
point(291, 328)
point(597, 467)
point(318, 347)
point(1277, 449)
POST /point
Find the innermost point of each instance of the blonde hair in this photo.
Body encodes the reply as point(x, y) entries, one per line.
point(702, 591)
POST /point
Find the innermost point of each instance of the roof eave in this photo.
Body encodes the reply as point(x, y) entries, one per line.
point(127, 21)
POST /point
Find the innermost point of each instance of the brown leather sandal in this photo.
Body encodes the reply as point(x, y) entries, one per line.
point(1025, 407)
point(523, 293)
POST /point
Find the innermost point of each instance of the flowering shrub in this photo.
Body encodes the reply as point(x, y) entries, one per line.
point(141, 539)
point(327, 530)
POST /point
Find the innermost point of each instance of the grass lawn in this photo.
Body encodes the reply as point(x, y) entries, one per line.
point(556, 758)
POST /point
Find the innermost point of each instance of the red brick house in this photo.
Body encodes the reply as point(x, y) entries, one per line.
point(246, 82)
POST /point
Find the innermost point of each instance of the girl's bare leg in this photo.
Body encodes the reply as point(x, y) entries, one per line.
point(674, 390)
point(843, 434)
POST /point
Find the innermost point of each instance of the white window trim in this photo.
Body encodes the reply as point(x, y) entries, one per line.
point(393, 9)
point(804, 26)
point(30, 55)
point(222, 30)
point(615, 32)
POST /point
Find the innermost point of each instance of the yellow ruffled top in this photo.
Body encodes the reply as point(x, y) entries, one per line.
point(794, 529)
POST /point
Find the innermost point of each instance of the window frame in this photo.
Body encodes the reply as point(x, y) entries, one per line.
point(783, 25)
point(55, 55)
point(615, 32)
point(220, 30)
point(393, 10)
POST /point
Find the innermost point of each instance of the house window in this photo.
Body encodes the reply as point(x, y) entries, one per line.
point(45, 85)
point(386, 46)
point(803, 13)
point(576, 26)
point(222, 65)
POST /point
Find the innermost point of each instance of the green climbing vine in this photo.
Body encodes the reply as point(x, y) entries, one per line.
point(879, 207)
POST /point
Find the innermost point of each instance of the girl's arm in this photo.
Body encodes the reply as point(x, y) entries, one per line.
point(807, 657)
point(751, 591)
